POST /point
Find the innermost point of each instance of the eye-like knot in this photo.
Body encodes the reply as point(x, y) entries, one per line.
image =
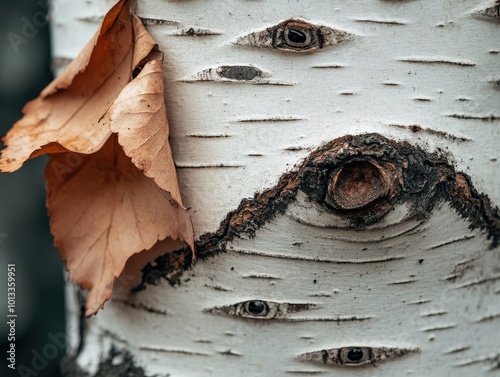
point(256, 308)
point(356, 355)
point(294, 35)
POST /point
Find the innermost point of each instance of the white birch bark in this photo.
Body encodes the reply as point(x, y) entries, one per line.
point(427, 288)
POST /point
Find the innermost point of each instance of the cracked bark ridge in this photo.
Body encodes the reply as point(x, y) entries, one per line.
point(359, 178)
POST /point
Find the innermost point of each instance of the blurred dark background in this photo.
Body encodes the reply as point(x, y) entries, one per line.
point(24, 226)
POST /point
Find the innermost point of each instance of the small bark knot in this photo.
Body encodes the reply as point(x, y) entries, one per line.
point(362, 182)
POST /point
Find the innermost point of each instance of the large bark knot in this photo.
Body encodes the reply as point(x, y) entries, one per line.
point(358, 180)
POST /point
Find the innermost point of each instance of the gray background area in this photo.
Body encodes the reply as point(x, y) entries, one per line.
point(24, 226)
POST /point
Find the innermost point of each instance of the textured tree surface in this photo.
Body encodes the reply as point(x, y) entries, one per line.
point(339, 162)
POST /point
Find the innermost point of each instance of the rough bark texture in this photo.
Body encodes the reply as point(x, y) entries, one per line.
point(340, 162)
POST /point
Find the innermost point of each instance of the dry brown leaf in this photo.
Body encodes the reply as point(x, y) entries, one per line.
point(144, 43)
point(123, 198)
point(139, 117)
point(67, 116)
point(104, 211)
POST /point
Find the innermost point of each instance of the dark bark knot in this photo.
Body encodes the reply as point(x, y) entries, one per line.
point(360, 183)
point(361, 178)
point(363, 181)
point(237, 72)
point(356, 178)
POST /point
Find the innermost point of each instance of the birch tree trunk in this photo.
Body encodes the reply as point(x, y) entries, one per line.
point(319, 253)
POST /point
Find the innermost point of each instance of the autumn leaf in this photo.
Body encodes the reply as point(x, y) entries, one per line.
point(105, 211)
point(139, 117)
point(67, 116)
point(112, 189)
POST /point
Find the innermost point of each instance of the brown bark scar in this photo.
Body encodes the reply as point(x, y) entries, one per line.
point(371, 173)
